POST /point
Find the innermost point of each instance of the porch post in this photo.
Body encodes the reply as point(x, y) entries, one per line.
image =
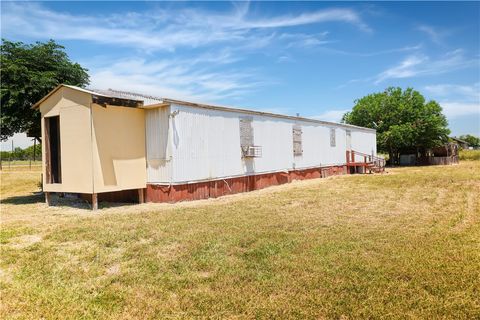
point(94, 201)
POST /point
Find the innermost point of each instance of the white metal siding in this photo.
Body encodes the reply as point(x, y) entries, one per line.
point(364, 141)
point(206, 144)
point(158, 141)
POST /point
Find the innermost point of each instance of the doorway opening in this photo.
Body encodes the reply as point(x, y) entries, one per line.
point(53, 163)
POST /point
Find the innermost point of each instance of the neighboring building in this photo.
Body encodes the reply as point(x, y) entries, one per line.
point(446, 154)
point(442, 155)
point(461, 143)
point(117, 145)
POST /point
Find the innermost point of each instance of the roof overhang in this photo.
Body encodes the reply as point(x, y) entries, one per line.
point(156, 105)
point(114, 101)
point(98, 98)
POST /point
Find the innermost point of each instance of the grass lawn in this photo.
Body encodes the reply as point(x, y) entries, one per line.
point(405, 244)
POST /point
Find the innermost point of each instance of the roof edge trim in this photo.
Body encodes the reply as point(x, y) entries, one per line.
point(261, 113)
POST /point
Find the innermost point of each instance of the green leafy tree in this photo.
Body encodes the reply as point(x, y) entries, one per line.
point(403, 119)
point(23, 154)
point(28, 73)
point(471, 140)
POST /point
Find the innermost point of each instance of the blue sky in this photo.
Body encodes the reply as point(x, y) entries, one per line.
point(312, 58)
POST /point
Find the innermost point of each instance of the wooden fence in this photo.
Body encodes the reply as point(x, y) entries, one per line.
point(443, 160)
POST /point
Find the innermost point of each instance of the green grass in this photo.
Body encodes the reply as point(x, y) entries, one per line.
point(405, 244)
point(6, 162)
point(469, 155)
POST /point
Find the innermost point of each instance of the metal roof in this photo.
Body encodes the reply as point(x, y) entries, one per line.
point(104, 96)
point(261, 113)
point(152, 102)
point(147, 99)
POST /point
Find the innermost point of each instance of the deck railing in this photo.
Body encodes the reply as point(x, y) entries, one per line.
point(369, 161)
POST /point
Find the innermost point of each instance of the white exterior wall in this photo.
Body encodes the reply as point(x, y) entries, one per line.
point(364, 141)
point(201, 144)
point(158, 146)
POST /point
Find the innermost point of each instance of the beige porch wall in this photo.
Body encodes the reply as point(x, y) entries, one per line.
point(118, 148)
point(75, 140)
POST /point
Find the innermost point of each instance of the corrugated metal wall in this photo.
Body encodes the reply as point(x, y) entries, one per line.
point(158, 145)
point(364, 141)
point(205, 144)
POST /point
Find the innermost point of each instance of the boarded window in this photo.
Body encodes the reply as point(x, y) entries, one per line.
point(297, 140)
point(53, 166)
point(246, 132)
point(333, 142)
point(349, 140)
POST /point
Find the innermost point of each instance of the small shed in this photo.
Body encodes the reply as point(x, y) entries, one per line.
point(92, 143)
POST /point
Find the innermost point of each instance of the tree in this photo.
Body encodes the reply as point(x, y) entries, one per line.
point(471, 140)
point(28, 73)
point(403, 120)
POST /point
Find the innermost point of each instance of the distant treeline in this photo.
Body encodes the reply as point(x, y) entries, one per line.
point(22, 154)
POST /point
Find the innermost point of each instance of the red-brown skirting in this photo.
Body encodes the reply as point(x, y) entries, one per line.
point(221, 187)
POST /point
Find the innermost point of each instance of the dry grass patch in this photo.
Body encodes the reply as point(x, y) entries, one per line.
point(402, 244)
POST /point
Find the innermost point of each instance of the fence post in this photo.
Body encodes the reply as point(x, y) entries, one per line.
point(11, 155)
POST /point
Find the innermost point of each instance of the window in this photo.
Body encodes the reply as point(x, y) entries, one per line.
point(297, 140)
point(52, 150)
point(332, 137)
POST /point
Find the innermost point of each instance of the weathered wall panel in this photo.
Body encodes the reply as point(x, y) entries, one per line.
point(118, 148)
point(158, 145)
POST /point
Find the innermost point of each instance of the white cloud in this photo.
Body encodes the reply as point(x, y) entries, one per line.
point(457, 100)
point(285, 59)
point(303, 40)
point(457, 109)
point(203, 75)
point(448, 90)
point(331, 115)
point(161, 29)
point(434, 34)
point(191, 79)
point(422, 65)
point(328, 15)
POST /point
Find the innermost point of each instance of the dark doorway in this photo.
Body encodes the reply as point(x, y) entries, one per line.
point(52, 150)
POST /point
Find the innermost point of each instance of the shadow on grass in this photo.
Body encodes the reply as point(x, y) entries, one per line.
point(60, 201)
point(25, 199)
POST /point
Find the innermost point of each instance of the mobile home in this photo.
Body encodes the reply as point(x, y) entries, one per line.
point(114, 145)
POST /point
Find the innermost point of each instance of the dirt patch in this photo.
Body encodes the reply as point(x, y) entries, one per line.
point(25, 241)
point(114, 270)
point(169, 251)
point(5, 276)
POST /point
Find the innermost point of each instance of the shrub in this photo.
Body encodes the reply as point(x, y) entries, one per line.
point(469, 155)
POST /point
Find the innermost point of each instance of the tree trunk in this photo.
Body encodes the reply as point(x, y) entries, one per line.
point(391, 157)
